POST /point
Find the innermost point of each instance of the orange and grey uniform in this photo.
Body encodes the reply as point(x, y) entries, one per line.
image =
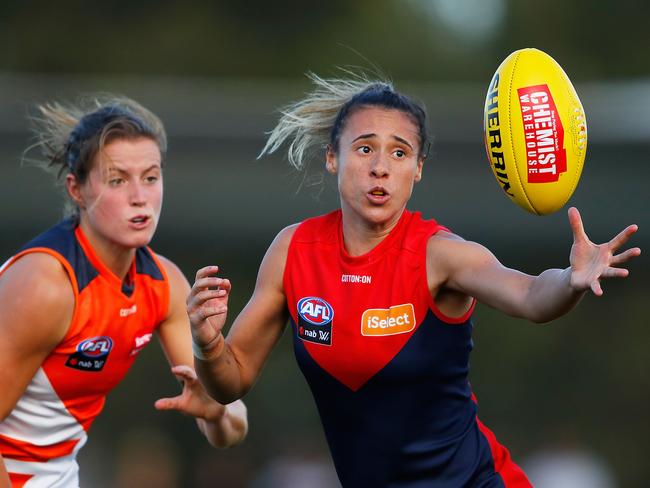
point(111, 324)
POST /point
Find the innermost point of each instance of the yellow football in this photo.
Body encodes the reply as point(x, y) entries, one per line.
point(535, 131)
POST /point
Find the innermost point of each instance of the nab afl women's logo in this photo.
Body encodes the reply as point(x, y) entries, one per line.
point(91, 354)
point(315, 310)
point(315, 317)
point(95, 348)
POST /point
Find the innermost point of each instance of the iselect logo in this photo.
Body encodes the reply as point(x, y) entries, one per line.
point(397, 319)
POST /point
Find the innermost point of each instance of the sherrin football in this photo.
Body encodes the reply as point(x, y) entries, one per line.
point(535, 131)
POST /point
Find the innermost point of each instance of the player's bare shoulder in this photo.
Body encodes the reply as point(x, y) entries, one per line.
point(283, 239)
point(441, 246)
point(445, 235)
point(449, 254)
point(272, 268)
point(174, 273)
point(443, 242)
point(39, 271)
point(279, 248)
point(37, 290)
point(449, 246)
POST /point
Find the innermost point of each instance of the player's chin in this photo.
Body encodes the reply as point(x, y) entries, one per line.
point(134, 239)
point(380, 215)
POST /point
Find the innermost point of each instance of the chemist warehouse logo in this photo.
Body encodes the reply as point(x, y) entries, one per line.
point(315, 318)
point(91, 354)
point(398, 319)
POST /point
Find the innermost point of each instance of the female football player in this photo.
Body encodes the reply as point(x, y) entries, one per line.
point(380, 301)
point(79, 302)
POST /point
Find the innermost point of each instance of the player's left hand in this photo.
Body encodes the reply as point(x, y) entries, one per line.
point(591, 262)
point(193, 400)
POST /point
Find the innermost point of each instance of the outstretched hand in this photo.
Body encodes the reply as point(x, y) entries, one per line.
point(590, 263)
point(193, 400)
point(207, 306)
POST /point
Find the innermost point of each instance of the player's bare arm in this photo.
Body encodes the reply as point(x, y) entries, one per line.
point(472, 269)
point(36, 300)
point(231, 372)
point(223, 425)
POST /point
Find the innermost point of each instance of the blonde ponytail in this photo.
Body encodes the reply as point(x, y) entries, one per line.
point(308, 123)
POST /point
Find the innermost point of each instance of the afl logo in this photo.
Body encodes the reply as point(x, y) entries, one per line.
point(95, 347)
point(315, 311)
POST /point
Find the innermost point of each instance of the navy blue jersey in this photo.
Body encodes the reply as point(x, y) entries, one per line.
point(388, 370)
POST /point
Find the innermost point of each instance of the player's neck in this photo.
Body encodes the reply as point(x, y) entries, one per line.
point(361, 237)
point(118, 259)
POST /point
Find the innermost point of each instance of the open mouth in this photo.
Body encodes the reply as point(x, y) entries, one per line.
point(378, 191)
point(378, 195)
point(140, 219)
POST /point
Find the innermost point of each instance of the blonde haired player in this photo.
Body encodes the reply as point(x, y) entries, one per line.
point(380, 301)
point(79, 302)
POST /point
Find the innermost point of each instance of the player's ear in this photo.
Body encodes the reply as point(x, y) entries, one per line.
point(331, 162)
point(418, 170)
point(73, 188)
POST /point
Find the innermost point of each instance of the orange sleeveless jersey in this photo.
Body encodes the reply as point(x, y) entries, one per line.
point(110, 325)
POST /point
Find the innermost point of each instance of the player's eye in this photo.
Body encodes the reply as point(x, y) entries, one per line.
point(115, 181)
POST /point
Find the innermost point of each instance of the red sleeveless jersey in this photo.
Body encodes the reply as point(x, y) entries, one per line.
point(388, 370)
point(111, 324)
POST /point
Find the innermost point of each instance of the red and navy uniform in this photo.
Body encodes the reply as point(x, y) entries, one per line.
point(388, 370)
point(110, 325)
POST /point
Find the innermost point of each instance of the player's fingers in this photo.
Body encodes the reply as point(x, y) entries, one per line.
point(205, 295)
point(198, 316)
point(168, 403)
point(203, 313)
point(623, 236)
point(625, 256)
point(197, 300)
point(596, 288)
point(184, 372)
point(225, 284)
point(206, 271)
point(575, 221)
point(209, 282)
point(196, 288)
point(615, 273)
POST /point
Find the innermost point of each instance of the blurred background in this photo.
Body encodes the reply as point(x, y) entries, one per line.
point(569, 399)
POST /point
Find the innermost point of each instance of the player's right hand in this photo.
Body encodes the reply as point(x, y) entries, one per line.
point(207, 306)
